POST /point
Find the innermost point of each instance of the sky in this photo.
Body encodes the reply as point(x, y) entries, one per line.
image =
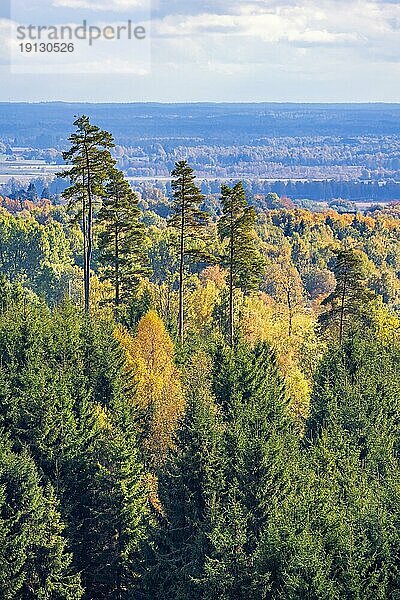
point(219, 50)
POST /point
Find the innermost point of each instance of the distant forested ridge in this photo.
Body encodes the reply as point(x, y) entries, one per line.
point(199, 402)
point(279, 141)
point(150, 120)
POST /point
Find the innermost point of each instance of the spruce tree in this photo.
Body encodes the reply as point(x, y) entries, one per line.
point(190, 222)
point(121, 240)
point(259, 464)
point(337, 536)
point(65, 396)
point(357, 390)
point(178, 545)
point(34, 562)
point(91, 161)
point(105, 494)
point(105, 500)
point(236, 227)
point(334, 534)
point(31, 192)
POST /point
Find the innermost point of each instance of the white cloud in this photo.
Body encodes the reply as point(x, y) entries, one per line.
point(269, 27)
point(330, 23)
point(102, 5)
point(5, 40)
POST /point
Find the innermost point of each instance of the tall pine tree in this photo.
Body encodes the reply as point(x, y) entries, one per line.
point(91, 160)
point(347, 304)
point(236, 227)
point(122, 239)
point(190, 222)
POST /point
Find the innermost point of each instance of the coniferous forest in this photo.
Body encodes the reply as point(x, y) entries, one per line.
point(201, 406)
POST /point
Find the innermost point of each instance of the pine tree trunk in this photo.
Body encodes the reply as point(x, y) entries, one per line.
point(342, 312)
point(89, 252)
point(289, 301)
point(89, 242)
point(231, 300)
point(84, 229)
point(181, 268)
point(231, 310)
point(85, 261)
point(117, 293)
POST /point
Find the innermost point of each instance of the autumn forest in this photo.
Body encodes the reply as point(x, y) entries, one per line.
point(197, 406)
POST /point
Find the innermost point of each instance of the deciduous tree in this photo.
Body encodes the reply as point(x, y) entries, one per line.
point(150, 357)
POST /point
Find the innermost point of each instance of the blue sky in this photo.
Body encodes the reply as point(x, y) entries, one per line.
point(226, 50)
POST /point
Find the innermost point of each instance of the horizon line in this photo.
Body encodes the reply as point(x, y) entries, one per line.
point(207, 102)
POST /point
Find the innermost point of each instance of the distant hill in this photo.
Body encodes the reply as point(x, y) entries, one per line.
point(45, 125)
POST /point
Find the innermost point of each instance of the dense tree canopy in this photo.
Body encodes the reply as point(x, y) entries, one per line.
point(140, 463)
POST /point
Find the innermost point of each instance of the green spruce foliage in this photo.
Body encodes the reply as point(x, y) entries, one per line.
point(65, 398)
point(259, 461)
point(179, 544)
point(34, 560)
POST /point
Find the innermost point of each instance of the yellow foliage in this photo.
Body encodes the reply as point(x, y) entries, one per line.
point(200, 306)
point(101, 417)
point(214, 274)
point(151, 484)
point(150, 357)
point(263, 319)
point(299, 391)
point(386, 323)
